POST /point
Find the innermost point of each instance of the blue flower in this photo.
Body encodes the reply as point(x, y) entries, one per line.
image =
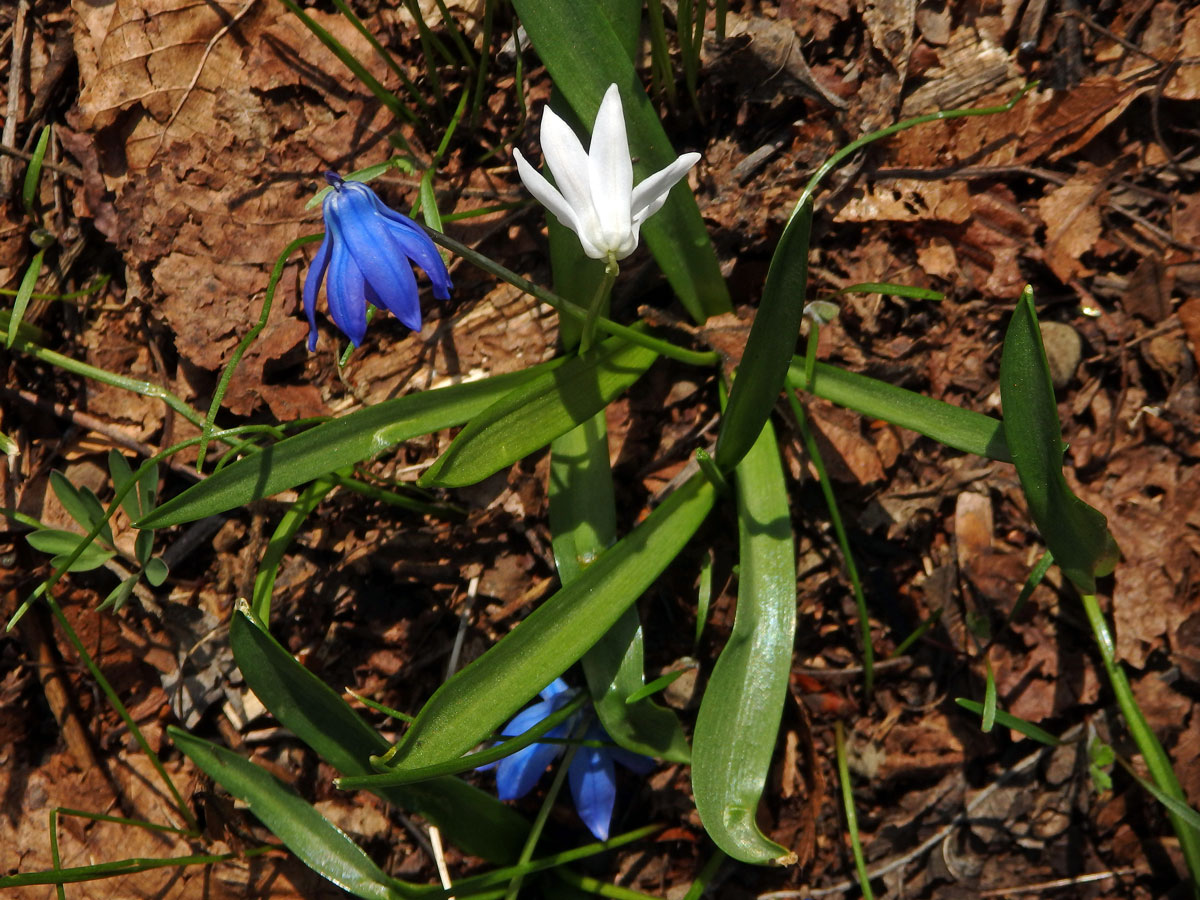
point(367, 251)
point(592, 776)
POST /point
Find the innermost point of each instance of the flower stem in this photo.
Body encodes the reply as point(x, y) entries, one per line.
point(588, 336)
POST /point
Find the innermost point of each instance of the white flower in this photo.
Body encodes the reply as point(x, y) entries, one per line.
point(595, 197)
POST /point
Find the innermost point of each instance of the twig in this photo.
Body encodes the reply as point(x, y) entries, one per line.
point(90, 423)
point(12, 116)
point(1057, 883)
point(59, 167)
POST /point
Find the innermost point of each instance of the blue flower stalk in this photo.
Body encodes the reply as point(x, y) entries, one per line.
point(367, 253)
point(592, 775)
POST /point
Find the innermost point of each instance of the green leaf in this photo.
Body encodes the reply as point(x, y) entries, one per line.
point(583, 524)
point(63, 543)
point(333, 445)
point(893, 290)
point(148, 489)
point(477, 822)
point(534, 414)
point(952, 425)
point(770, 346)
point(482, 697)
point(1074, 532)
point(118, 596)
point(24, 293)
point(989, 701)
point(316, 841)
point(156, 571)
point(585, 55)
point(122, 475)
point(80, 505)
point(738, 722)
point(33, 174)
point(1008, 720)
point(143, 546)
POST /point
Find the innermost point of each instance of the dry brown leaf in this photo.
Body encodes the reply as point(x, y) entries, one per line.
point(853, 457)
point(891, 24)
point(973, 526)
point(1073, 226)
point(1064, 121)
point(1185, 82)
point(909, 200)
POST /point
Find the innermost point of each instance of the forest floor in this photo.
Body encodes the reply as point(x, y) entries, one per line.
point(187, 141)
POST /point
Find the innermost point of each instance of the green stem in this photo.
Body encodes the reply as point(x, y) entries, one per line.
point(839, 529)
point(134, 385)
point(247, 340)
point(706, 359)
point(843, 768)
point(1152, 751)
point(588, 335)
point(904, 125)
point(539, 823)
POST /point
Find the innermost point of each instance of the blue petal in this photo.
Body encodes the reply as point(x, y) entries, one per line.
point(312, 286)
point(517, 774)
point(400, 298)
point(418, 247)
point(346, 292)
point(367, 237)
point(556, 688)
point(634, 762)
point(521, 723)
point(594, 787)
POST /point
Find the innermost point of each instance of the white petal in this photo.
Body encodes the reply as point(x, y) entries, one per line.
point(611, 172)
point(568, 163)
point(547, 195)
point(651, 194)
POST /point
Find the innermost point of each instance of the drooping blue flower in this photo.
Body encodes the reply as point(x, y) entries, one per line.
point(367, 253)
point(592, 775)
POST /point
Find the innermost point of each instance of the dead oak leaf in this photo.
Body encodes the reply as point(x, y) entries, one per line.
point(1064, 121)
point(1073, 226)
point(910, 200)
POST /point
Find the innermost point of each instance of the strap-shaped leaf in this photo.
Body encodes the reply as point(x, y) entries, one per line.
point(585, 55)
point(483, 696)
point(738, 722)
point(316, 841)
point(583, 523)
point(952, 425)
point(333, 445)
point(306, 706)
point(1074, 532)
point(770, 346)
point(534, 414)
